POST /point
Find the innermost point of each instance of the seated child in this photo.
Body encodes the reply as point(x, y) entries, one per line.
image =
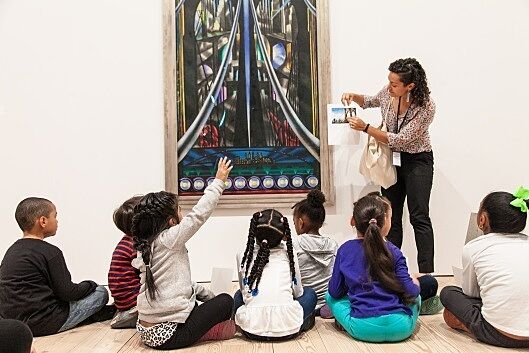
point(35, 284)
point(490, 304)
point(316, 253)
point(168, 312)
point(271, 304)
point(371, 293)
point(123, 278)
point(430, 301)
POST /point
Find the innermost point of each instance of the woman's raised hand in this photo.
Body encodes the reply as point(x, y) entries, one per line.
point(347, 98)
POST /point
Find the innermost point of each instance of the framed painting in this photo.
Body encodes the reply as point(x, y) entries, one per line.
point(250, 80)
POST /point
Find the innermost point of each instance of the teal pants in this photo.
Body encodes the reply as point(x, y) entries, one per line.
point(385, 328)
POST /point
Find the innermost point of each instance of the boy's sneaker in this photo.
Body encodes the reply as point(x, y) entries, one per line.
point(431, 306)
point(106, 313)
point(125, 318)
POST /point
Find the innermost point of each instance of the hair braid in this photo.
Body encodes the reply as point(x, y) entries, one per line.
point(248, 252)
point(290, 250)
point(267, 229)
point(260, 262)
point(264, 260)
point(151, 217)
point(144, 247)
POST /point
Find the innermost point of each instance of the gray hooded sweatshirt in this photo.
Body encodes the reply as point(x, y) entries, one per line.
point(316, 254)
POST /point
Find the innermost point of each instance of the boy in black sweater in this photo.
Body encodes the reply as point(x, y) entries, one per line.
point(35, 284)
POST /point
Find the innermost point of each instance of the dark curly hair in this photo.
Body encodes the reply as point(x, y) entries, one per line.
point(503, 217)
point(369, 215)
point(267, 229)
point(151, 216)
point(312, 207)
point(410, 71)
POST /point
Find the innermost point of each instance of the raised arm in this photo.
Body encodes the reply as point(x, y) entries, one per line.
point(179, 234)
point(367, 102)
point(347, 98)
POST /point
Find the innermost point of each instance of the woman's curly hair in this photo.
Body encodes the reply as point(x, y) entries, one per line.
point(409, 70)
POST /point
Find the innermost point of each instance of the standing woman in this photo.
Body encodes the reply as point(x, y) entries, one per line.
point(406, 106)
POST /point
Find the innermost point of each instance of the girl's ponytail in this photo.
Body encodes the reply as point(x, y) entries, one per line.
point(144, 248)
point(369, 215)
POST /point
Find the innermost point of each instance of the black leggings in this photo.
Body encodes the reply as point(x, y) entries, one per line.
point(202, 318)
point(414, 182)
point(15, 337)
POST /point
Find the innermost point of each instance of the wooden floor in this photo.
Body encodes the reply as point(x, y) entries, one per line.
point(431, 335)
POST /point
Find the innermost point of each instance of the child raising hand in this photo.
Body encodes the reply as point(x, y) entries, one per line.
point(169, 316)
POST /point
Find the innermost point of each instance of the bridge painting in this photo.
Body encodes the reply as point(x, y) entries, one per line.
point(247, 87)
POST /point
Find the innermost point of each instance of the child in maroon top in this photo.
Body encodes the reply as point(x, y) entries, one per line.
point(123, 279)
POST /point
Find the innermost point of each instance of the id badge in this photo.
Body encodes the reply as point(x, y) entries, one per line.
point(396, 159)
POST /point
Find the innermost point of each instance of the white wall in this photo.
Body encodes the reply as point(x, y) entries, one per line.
point(81, 108)
point(81, 114)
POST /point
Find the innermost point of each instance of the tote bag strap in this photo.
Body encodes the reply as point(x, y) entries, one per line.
point(383, 124)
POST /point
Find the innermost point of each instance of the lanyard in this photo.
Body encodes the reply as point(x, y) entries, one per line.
point(399, 127)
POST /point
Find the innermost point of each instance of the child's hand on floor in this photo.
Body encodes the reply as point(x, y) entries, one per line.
point(224, 169)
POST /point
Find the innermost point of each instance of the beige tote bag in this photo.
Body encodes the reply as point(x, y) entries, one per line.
point(376, 163)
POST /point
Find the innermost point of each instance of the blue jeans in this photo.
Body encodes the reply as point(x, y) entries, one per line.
point(307, 301)
point(86, 307)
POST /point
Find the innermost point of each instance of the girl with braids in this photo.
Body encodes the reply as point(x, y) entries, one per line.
point(271, 304)
point(408, 111)
point(316, 253)
point(371, 293)
point(168, 314)
point(490, 303)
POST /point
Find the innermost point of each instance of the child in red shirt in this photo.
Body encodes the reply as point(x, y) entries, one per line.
point(123, 279)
